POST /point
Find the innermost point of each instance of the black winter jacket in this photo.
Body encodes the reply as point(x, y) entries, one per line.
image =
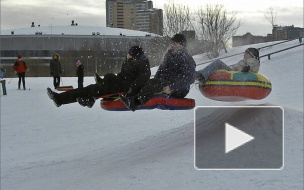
point(80, 71)
point(178, 69)
point(134, 74)
point(55, 67)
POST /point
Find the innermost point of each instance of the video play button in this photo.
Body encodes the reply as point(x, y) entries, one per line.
point(235, 138)
point(239, 137)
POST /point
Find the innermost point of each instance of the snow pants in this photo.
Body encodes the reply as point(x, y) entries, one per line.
point(111, 84)
point(21, 78)
point(152, 87)
point(212, 67)
point(56, 81)
point(80, 82)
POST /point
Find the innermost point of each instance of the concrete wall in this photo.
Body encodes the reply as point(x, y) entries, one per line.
point(97, 53)
point(249, 39)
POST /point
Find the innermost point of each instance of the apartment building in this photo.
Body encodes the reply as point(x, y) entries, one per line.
point(286, 32)
point(135, 15)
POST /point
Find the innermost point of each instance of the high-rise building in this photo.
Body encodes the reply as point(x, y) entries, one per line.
point(286, 32)
point(135, 15)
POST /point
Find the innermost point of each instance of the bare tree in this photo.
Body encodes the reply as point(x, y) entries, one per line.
point(271, 16)
point(177, 18)
point(216, 27)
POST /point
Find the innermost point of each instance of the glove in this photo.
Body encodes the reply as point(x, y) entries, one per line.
point(246, 69)
point(130, 92)
point(167, 90)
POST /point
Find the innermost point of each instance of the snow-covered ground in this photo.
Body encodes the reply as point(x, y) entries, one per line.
point(72, 147)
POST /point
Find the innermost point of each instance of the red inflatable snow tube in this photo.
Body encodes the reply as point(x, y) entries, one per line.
point(159, 101)
point(235, 86)
point(64, 88)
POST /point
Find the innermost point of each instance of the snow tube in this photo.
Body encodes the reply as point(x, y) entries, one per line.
point(159, 101)
point(232, 86)
point(64, 88)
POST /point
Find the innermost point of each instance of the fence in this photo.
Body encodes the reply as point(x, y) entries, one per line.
point(269, 54)
point(257, 48)
point(100, 54)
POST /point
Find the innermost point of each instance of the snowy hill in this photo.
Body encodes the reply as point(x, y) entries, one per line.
point(72, 147)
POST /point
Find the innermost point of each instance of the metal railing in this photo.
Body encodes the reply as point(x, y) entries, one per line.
point(243, 52)
point(274, 44)
point(280, 51)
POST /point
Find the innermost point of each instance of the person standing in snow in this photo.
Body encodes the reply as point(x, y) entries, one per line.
point(250, 63)
point(174, 76)
point(80, 73)
point(55, 67)
point(2, 71)
point(134, 74)
point(20, 68)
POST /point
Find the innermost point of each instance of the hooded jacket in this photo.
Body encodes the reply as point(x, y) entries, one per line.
point(55, 67)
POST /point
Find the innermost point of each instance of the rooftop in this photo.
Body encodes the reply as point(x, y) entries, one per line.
point(74, 30)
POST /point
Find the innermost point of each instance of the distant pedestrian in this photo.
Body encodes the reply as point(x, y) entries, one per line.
point(20, 68)
point(80, 73)
point(2, 71)
point(56, 71)
point(300, 40)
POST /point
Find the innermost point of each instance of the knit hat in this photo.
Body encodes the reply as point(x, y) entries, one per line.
point(253, 52)
point(19, 56)
point(135, 51)
point(180, 38)
point(78, 63)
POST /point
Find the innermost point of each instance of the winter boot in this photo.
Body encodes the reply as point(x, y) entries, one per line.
point(89, 102)
point(81, 101)
point(97, 78)
point(200, 78)
point(53, 96)
point(128, 101)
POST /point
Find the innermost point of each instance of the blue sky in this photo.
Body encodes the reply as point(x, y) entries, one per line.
point(21, 13)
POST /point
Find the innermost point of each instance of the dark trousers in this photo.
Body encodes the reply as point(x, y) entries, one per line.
point(154, 86)
point(21, 77)
point(56, 81)
point(111, 84)
point(80, 82)
point(212, 67)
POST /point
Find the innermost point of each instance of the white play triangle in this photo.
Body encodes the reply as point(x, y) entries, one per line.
point(235, 138)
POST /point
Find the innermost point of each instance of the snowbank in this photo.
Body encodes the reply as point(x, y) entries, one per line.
point(72, 147)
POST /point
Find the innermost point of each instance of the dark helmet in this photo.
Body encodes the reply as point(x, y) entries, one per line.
point(135, 51)
point(180, 38)
point(253, 52)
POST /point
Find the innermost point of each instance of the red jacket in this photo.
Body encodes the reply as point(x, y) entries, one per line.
point(20, 66)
